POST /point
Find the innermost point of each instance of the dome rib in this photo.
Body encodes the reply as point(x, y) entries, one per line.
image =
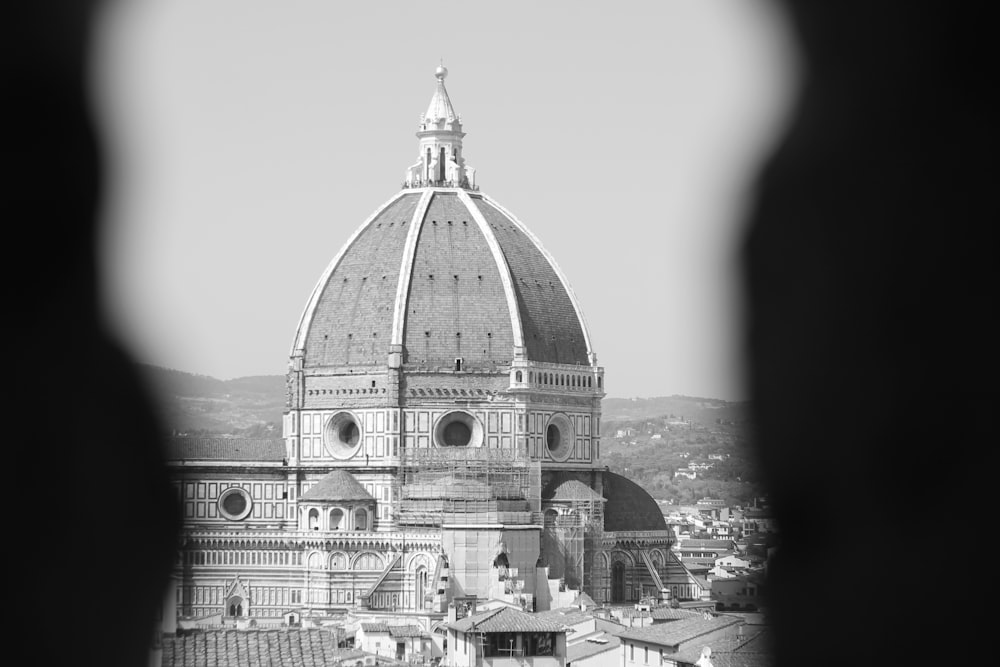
point(555, 267)
point(305, 321)
point(502, 267)
point(406, 267)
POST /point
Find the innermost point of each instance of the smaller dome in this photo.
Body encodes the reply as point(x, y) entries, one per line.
point(339, 485)
point(629, 507)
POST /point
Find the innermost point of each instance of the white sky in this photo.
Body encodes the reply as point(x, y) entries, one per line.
point(248, 138)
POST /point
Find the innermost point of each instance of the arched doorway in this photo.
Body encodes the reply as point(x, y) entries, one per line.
point(618, 582)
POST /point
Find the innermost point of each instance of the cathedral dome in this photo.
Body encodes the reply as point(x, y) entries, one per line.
point(441, 272)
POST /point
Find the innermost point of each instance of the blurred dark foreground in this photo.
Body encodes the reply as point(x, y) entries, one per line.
point(870, 286)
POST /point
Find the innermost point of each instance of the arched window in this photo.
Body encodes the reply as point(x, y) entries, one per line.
point(336, 519)
point(598, 382)
point(421, 587)
point(313, 519)
point(360, 519)
point(236, 606)
point(518, 377)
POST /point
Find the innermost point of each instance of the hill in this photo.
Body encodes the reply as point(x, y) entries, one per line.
point(646, 439)
point(203, 405)
point(702, 410)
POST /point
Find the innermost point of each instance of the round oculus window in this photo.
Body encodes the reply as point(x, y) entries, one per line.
point(342, 435)
point(458, 429)
point(235, 503)
point(559, 437)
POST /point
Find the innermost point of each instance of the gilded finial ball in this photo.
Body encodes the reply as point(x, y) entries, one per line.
point(441, 72)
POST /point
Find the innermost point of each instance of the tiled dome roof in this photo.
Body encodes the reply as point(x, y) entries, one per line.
point(338, 485)
point(629, 507)
point(444, 273)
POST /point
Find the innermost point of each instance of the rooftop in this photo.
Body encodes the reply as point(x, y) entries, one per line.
point(506, 619)
point(265, 648)
point(225, 449)
point(590, 647)
point(677, 632)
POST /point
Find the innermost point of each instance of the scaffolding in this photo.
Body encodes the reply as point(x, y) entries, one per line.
point(573, 530)
point(466, 485)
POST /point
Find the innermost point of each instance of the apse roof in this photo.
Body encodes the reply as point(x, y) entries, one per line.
point(337, 485)
point(629, 507)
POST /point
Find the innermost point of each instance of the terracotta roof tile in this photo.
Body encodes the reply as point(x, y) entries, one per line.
point(672, 634)
point(225, 449)
point(266, 648)
point(585, 649)
point(506, 619)
point(338, 485)
point(404, 631)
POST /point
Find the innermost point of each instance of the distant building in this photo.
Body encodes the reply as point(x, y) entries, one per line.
point(740, 593)
point(407, 643)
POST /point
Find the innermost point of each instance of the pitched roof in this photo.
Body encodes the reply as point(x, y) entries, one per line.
point(506, 619)
point(375, 627)
point(668, 613)
point(338, 485)
point(752, 649)
point(587, 648)
point(266, 648)
point(565, 615)
point(677, 632)
point(404, 631)
point(225, 449)
point(584, 600)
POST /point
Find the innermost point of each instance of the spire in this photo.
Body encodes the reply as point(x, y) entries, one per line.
point(440, 107)
point(440, 162)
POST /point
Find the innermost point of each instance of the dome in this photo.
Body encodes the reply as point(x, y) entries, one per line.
point(441, 272)
point(338, 485)
point(446, 274)
point(629, 507)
